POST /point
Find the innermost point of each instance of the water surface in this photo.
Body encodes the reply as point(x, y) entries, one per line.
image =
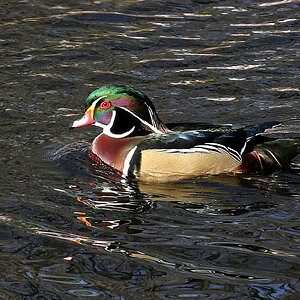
point(70, 230)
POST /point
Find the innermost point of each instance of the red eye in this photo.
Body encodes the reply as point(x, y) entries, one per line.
point(105, 105)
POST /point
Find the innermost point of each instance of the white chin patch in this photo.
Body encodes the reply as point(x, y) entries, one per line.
point(99, 125)
point(106, 130)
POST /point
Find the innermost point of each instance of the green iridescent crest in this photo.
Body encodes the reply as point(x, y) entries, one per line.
point(113, 91)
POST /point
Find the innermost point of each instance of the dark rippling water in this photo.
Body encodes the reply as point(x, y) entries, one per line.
point(71, 231)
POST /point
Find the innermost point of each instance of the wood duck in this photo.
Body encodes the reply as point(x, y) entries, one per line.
point(136, 143)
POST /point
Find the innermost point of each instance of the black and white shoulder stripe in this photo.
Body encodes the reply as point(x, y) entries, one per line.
point(207, 148)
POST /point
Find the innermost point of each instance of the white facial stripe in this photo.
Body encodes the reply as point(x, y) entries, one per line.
point(151, 115)
point(156, 130)
point(97, 100)
point(107, 128)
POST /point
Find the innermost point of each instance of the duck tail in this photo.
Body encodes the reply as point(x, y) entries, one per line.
point(278, 154)
point(270, 156)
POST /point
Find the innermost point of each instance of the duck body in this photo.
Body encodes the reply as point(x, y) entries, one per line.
point(136, 143)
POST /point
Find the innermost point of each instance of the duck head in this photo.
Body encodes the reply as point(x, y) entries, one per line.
point(121, 112)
